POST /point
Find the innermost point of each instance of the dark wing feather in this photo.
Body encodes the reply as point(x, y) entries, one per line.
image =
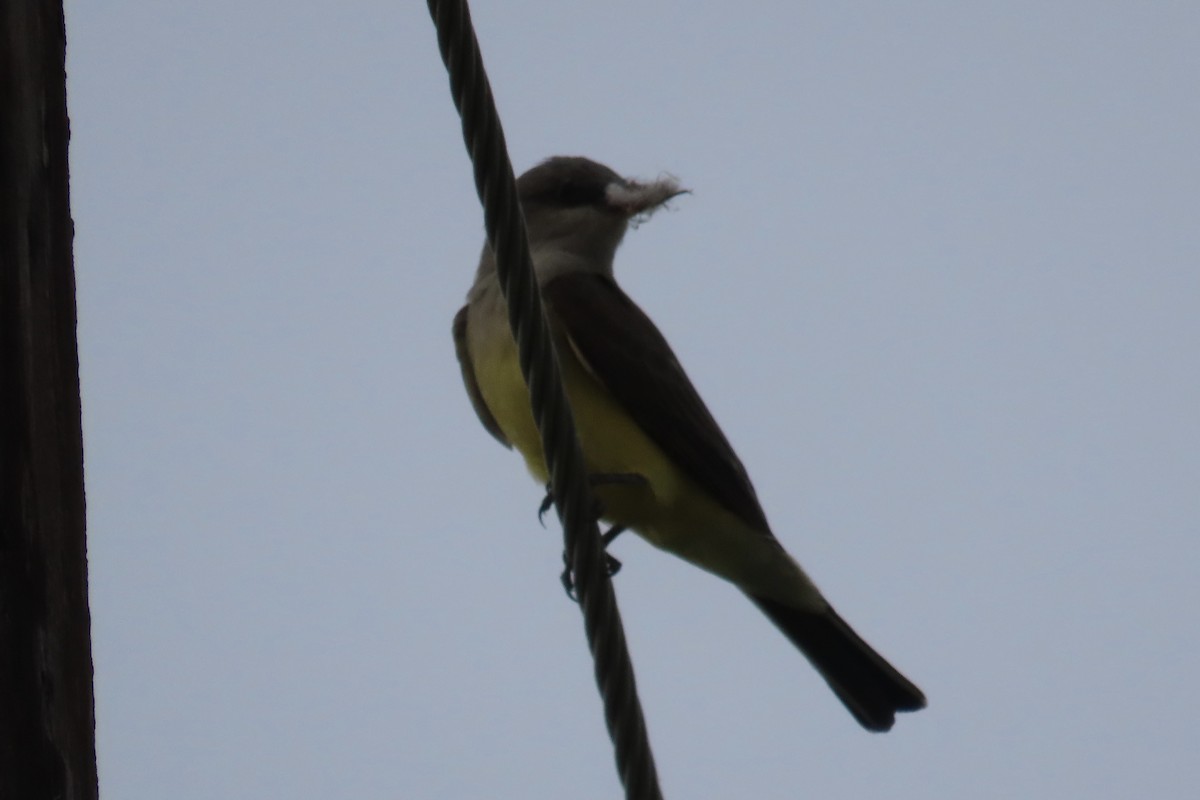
point(469, 380)
point(628, 355)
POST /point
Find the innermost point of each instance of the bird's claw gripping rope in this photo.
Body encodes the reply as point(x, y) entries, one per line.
point(611, 565)
point(547, 503)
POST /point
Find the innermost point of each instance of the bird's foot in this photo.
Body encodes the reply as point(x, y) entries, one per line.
point(547, 501)
point(611, 565)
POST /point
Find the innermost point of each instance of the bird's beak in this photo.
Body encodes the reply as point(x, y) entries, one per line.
point(642, 198)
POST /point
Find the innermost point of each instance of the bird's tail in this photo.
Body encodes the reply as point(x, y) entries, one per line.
point(871, 688)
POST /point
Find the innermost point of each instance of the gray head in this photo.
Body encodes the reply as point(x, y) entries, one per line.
point(577, 212)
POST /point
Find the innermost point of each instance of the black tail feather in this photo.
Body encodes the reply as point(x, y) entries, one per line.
point(871, 688)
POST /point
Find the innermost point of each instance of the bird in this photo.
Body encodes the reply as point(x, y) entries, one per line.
point(679, 485)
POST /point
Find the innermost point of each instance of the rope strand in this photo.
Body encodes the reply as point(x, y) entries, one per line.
point(506, 234)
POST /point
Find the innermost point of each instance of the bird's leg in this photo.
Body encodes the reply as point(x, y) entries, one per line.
point(611, 565)
point(547, 501)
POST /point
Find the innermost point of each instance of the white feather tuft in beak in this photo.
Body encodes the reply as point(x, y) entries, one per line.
point(636, 199)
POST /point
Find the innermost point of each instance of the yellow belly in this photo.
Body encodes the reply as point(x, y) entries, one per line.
point(666, 508)
point(612, 442)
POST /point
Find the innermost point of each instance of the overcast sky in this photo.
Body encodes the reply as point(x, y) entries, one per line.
point(938, 279)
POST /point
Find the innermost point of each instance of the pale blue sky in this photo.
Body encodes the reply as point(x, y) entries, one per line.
point(938, 280)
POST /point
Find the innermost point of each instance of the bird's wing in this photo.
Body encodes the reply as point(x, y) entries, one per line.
point(623, 349)
point(469, 380)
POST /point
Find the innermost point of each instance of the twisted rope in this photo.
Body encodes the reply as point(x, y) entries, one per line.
point(505, 226)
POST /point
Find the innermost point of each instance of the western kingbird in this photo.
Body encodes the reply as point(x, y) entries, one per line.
point(637, 414)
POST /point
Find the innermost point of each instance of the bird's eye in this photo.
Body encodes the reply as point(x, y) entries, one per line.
point(574, 193)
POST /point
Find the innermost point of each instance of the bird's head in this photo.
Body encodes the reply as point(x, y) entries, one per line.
point(576, 208)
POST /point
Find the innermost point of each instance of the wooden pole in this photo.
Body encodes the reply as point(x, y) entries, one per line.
point(47, 721)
